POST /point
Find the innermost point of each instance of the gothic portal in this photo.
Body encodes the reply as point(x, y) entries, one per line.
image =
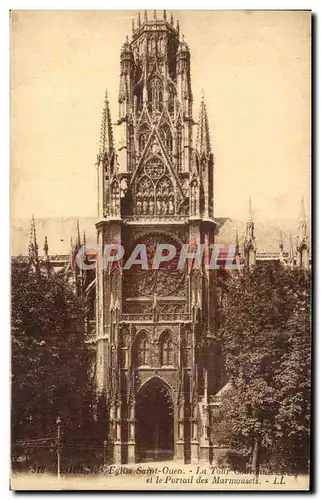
point(156, 355)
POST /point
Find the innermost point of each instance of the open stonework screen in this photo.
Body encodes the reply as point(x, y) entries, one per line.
point(161, 250)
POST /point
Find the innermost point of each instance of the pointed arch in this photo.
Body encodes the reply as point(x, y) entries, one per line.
point(166, 348)
point(143, 135)
point(114, 197)
point(167, 138)
point(165, 196)
point(155, 93)
point(141, 347)
point(154, 412)
point(144, 196)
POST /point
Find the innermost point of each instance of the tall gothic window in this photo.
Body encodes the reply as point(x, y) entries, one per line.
point(142, 350)
point(167, 138)
point(155, 95)
point(167, 349)
point(144, 196)
point(165, 196)
point(142, 138)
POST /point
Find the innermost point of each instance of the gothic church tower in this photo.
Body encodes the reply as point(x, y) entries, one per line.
point(156, 353)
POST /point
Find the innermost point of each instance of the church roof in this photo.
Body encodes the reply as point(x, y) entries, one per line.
point(266, 232)
point(59, 230)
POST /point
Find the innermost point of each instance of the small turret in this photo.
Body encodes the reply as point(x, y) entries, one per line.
point(33, 250)
point(249, 244)
point(291, 259)
point(302, 241)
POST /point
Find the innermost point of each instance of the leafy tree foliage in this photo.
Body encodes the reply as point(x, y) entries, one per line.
point(50, 360)
point(265, 335)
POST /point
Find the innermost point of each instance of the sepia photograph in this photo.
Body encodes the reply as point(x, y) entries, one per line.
point(161, 250)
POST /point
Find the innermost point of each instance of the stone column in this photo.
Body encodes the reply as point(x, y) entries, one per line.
point(194, 436)
point(131, 435)
point(117, 441)
point(180, 432)
point(204, 440)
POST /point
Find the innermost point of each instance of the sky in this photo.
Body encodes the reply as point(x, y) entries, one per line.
point(254, 69)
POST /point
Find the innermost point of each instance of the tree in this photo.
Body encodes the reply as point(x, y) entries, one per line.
point(50, 359)
point(265, 335)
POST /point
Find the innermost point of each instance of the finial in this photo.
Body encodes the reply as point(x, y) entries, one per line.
point(172, 19)
point(164, 15)
point(281, 242)
point(127, 40)
point(46, 247)
point(78, 235)
point(133, 25)
point(106, 131)
point(302, 223)
point(291, 252)
point(155, 15)
point(250, 210)
point(145, 16)
point(203, 142)
point(302, 211)
point(33, 245)
point(177, 25)
point(139, 19)
point(84, 238)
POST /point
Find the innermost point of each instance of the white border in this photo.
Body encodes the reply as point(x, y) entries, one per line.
point(313, 5)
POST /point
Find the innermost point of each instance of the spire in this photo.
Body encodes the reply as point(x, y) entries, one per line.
point(155, 15)
point(46, 247)
point(250, 219)
point(203, 144)
point(291, 252)
point(302, 210)
point(172, 19)
point(237, 243)
point(145, 16)
point(164, 15)
point(84, 240)
point(78, 240)
point(139, 21)
point(281, 246)
point(33, 245)
point(177, 26)
point(106, 131)
point(250, 224)
point(133, 26)
point(302, 223)
point(290, 261)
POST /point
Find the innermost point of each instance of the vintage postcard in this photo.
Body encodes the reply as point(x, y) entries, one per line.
point(161, 250)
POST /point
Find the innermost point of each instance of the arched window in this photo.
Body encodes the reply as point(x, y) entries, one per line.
point(142, 138)
point(155, 95)
point(167, 138)
point(144, 194)
point(165, 196)
point(167, 350)
point(142, 350)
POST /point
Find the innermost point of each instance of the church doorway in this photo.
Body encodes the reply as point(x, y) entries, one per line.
point(154, 422)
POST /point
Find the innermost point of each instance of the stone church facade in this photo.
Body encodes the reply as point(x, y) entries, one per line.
point(153, 331)
point(157, 357)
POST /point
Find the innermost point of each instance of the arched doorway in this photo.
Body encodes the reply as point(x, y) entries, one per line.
point(154, 422)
